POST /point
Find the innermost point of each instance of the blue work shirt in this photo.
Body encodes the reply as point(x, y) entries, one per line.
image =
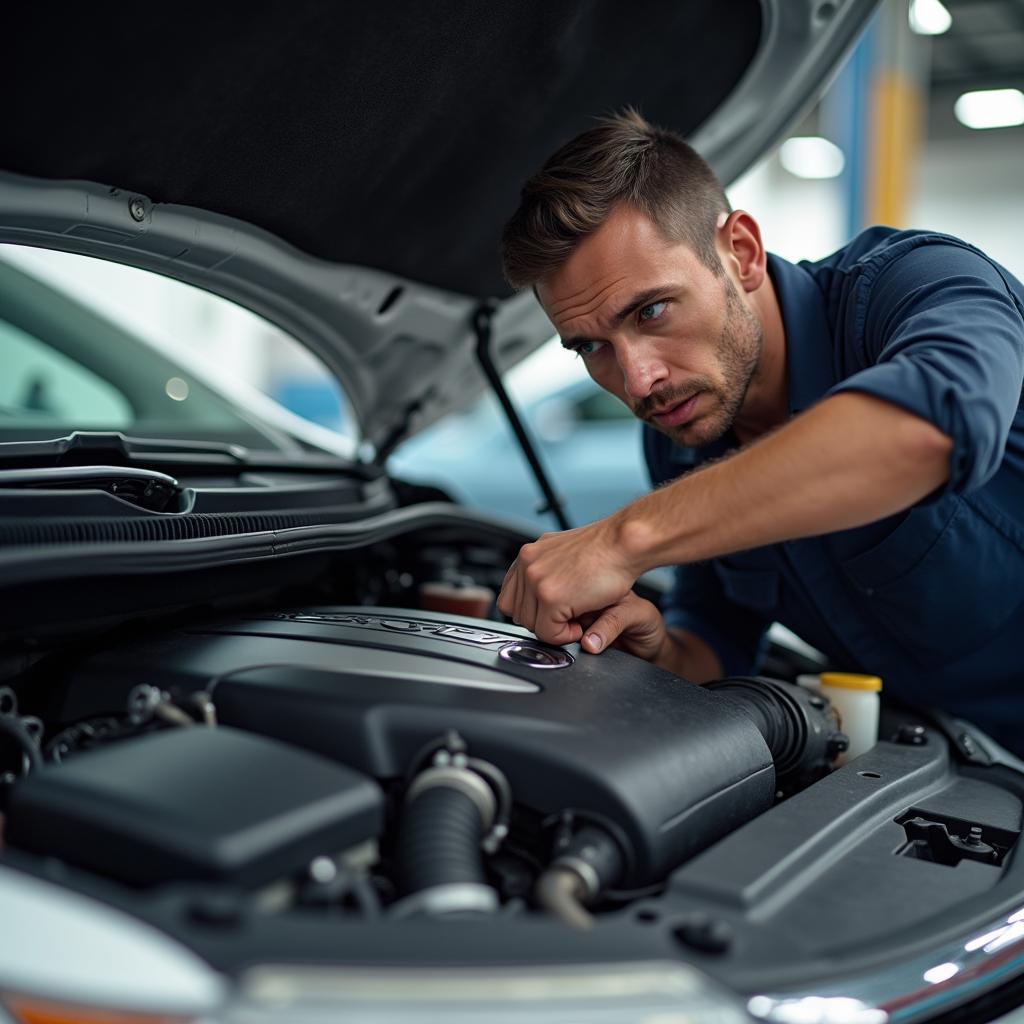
point(930, 599)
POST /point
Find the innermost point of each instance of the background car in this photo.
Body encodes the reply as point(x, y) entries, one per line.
point(588, 441)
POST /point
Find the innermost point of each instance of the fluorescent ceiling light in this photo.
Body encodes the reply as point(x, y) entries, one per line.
point(812, 157)
point(929, 17)
point(991, 108)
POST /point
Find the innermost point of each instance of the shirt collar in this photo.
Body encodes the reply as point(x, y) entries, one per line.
point(810, 368)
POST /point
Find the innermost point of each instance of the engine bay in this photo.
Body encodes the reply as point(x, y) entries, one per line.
point(648, 767)
point(335, 768)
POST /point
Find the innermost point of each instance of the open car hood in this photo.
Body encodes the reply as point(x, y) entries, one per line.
point(345, 170)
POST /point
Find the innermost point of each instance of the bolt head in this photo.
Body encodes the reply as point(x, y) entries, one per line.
point(912, 735)
point(137, 208)
point(704, 934)
point(323, 870)
point(838, 743)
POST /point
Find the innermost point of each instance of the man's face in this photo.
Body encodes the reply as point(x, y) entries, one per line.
point(656, 327)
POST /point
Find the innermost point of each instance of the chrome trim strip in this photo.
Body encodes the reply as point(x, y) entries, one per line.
point(922, 987)
point(614, 993)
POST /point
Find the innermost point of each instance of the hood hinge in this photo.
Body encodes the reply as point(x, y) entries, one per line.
point(399, 431)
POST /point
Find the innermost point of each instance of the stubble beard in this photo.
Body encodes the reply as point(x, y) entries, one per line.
point(739, 351)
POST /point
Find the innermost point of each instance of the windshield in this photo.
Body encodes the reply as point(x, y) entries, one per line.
point(91, 345)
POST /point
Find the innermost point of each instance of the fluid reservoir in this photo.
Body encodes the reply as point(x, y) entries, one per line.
point(856, 698)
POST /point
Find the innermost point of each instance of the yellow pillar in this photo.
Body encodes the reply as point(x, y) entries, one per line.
point(896, 115)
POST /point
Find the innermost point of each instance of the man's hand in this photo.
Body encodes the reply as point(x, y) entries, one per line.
point(847, 461)
point(636, 626)
point(632, 625)
point(561, 577)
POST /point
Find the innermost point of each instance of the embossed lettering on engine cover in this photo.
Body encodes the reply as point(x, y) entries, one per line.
point(531, 655)
point(397, 625)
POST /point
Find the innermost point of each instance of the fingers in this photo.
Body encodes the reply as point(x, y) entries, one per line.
point(508, 598)
point(559, 633)
point(529, 601)
point(560, 577)
point(633, 624)
point(605, 630)
point(522, 599)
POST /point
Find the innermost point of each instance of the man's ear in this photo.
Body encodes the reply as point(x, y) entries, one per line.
point(741, 250)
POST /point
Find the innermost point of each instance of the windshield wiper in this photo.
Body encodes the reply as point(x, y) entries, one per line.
point(142, 487)
point(112, 448)
point(94, 447)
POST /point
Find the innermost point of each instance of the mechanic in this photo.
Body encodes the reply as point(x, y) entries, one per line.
point(837, 446)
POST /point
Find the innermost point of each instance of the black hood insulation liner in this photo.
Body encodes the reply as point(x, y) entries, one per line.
point(342, 128)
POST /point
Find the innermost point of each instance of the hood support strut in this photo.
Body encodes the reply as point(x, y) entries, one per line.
point(483, 317)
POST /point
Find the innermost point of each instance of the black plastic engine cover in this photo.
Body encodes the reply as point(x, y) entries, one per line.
point(199, 803)
point(667, 765)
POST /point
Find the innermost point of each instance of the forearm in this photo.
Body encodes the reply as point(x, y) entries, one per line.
point(851, 460)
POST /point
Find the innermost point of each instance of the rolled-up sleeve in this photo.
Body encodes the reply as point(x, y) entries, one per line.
point(943, 337)
point(698, 603)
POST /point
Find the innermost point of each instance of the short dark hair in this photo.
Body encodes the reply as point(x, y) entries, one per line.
point(622, 159)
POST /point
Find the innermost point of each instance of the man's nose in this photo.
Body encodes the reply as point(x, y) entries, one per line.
point(641, 369)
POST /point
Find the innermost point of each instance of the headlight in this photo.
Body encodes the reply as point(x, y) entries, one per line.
point(63, 956)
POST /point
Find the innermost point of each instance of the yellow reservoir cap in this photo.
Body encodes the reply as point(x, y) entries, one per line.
point(851, 681)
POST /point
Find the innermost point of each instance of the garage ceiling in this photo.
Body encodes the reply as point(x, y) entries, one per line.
point(983, 49)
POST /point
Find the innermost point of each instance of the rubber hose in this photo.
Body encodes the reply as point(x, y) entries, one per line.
point(776, 715)
point(439, 841)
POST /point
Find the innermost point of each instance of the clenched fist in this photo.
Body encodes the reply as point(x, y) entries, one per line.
point(560, 580)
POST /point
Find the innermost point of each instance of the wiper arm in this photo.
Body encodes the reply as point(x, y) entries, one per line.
point(92, 447)
point(112, 448)
point(143, 487)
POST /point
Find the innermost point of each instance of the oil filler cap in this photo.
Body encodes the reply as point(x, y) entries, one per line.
point(535, 656)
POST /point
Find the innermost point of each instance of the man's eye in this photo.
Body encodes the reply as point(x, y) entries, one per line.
point(652, 311)
point(585, 349)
